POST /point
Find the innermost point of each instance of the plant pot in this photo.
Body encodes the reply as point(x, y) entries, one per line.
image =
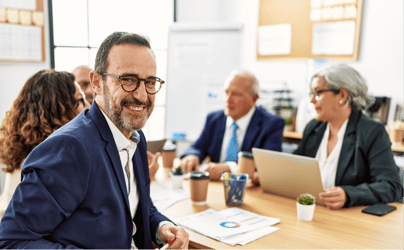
point(176, 180)
point(305, 212)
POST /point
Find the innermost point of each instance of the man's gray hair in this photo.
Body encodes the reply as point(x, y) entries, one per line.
point(339, 76)
point(254, 87)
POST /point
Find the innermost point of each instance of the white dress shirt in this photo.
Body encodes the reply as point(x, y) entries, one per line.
point(123, 143)
point(242, 124)
point(328, 165)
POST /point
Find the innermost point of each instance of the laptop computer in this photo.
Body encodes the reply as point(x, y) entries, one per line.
point(287, 174)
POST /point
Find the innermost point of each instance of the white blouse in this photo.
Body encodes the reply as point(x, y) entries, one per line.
point(10, 184)
point(328, 165)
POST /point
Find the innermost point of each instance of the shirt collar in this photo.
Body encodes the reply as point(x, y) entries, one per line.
point(340, 133)
point(120, 140)
point(243, 122)
point(342, 130)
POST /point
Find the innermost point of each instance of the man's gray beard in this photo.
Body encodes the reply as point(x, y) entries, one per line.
point(116, 114)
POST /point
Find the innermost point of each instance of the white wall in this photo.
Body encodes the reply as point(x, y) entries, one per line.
point(14, 75)
point(380, 58)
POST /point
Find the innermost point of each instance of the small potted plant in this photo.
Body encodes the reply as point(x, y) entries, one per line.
point(177, 177)
point(305, 207)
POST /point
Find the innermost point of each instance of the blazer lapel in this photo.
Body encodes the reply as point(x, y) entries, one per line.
point(315, 139)
point(252, 130)
point(347, 146)
point(111, 148)
point(218, 139)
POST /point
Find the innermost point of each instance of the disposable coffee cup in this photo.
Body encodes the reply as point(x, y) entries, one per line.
point(199, 182)
point(396, 132)
point(246, 164)
point(168, 155)
point(396, 136)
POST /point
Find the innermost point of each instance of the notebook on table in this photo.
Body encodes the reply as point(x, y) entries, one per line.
point(287, 174)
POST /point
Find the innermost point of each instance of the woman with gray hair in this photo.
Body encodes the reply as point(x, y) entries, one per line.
point(354, 152)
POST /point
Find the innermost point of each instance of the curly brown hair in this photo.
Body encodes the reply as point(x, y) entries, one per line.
point(45, 103)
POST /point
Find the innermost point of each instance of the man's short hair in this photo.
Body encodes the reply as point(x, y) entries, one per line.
point(116, 38)
point(254, 86)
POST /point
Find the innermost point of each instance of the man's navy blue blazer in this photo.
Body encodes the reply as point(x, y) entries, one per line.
point(73, 192)
point(264, 131)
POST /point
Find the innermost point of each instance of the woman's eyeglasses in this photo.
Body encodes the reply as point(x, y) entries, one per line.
point(316, 93)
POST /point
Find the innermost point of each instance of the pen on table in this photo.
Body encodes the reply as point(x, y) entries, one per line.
point(233, 187)
point(225, 177)
point(165, 246)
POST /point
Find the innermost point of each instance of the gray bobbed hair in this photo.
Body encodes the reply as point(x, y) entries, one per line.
point(340, 76)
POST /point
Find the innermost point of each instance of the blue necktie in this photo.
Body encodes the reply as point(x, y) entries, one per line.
point(232, 149)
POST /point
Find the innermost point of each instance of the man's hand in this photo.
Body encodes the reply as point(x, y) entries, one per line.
point(334, 197)
point(153, 164)
point(216, 170)
point(255, 179)
point(177, 235)
point(189, 163)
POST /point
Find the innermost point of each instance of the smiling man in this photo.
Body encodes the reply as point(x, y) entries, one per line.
point(88, 185)
point(239, 127)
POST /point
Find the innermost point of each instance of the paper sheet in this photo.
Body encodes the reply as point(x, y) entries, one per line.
point(19, 4)
point(334, 38)
point(164, 196)
point(231, 226)
point(275, 39)
point(20, 42)
point(248, 237)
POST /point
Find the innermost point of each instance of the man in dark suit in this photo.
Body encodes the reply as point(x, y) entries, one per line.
point(87, 185)
point(241, 125)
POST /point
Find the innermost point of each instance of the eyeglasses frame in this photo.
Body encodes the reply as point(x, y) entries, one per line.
point(138, 84)
point(316, 93)
point(82, 100)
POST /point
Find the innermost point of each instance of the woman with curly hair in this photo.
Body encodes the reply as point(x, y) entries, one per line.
point(47, 101)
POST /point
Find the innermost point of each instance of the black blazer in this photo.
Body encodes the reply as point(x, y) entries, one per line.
point(366, 168)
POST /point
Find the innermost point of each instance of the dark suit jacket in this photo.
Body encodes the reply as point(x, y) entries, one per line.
point(264, 131)
point(73, 192)
point(366, 168)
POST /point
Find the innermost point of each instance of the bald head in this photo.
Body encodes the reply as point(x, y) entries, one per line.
point(81, 75)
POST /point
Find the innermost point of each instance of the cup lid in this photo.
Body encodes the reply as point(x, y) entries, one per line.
point(199, 175)
point(246, 154)
point(169, 146)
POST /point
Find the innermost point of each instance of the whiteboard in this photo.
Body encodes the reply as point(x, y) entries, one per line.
point(199, 59)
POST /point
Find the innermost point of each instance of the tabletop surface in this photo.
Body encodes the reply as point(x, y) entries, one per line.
point(343, 229)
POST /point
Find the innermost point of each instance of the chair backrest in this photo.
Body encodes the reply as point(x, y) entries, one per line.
point(380, 109)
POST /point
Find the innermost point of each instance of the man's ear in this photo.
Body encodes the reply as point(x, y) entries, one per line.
point(255, 97)
point(96, 82)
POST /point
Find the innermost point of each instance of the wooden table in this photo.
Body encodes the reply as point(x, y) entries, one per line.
point(344, 228)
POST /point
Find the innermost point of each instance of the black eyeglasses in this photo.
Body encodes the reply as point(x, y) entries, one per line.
point(131, 82)
point(317, 93)
point(81, 100)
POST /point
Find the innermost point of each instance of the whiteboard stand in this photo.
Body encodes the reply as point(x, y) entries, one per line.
point(200, 57)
